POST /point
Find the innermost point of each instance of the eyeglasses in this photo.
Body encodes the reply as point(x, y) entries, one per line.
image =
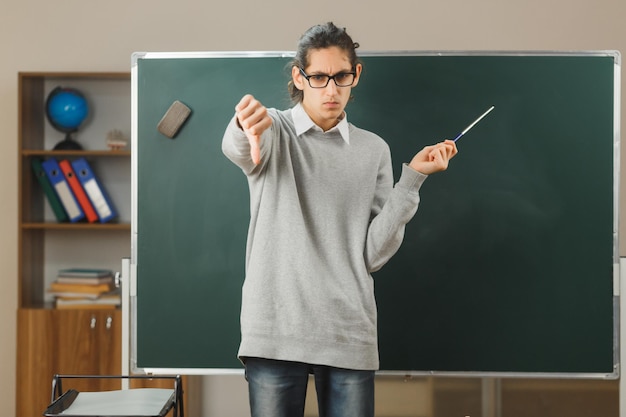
point(342, 79)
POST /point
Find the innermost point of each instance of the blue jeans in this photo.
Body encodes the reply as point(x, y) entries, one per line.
point(278, 389)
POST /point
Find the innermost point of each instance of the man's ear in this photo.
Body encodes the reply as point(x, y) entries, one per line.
point(358, 70)
point(298, 79)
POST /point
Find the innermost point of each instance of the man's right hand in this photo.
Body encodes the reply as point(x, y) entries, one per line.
point(253, 119)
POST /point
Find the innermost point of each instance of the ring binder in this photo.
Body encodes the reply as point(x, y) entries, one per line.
point(62, 188)
point(51, 195)
point(78, 191)
point(94, 190)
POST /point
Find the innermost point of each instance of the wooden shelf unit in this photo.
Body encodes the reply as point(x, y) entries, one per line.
point(49, 340)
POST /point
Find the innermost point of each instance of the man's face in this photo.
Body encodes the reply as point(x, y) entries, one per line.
point(325, 105)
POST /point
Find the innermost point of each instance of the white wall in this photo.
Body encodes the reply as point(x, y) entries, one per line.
point(77, 35)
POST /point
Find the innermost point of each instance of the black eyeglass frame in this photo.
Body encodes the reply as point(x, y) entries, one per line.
point(328, 78)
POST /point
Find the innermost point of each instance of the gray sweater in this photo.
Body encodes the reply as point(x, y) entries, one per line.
point(324, 214)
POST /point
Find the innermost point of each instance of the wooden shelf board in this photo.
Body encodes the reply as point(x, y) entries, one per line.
point(99, 153)
point(76, 226)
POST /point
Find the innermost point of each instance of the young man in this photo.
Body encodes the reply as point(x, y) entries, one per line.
point(324, 215)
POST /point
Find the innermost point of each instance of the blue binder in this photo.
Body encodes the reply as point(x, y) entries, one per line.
point(62, 188)
point(96, 193)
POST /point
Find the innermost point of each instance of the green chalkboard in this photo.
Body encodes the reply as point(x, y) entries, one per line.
point(508, 266)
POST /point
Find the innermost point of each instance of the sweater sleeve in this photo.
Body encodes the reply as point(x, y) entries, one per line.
point(236, 147)
point(386, 230)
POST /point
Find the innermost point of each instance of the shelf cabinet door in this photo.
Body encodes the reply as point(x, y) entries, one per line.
point(89, 343)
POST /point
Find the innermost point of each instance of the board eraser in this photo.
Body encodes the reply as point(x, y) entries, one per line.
point(173, 119)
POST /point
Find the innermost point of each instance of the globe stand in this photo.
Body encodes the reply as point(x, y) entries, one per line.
point(68, 144)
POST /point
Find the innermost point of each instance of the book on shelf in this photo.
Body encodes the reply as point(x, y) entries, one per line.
point(87, 276)
point(86, 306)
point(85, 280)
point(107, 301)
point(85, 272)
point(87, 290)
point(82, 295)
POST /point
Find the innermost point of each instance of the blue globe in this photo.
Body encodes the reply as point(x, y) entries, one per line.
point(66, 109)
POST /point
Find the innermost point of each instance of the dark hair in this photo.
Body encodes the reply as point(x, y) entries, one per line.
point(321, 37)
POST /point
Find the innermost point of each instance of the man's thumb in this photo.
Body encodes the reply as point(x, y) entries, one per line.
point(255, 149)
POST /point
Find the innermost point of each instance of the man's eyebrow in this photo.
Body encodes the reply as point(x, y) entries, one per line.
point(343, 71)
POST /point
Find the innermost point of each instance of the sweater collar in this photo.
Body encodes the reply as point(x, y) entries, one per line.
point(303, 123)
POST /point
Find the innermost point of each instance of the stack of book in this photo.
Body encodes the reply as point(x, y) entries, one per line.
point(85, 288)
point(73, 191)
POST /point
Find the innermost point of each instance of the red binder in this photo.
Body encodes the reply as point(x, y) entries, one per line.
point(78, 191)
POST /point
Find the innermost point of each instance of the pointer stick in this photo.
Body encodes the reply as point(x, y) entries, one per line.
point(472, 125)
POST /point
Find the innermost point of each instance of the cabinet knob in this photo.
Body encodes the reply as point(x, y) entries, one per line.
point(109, 322)
point(92, 323)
